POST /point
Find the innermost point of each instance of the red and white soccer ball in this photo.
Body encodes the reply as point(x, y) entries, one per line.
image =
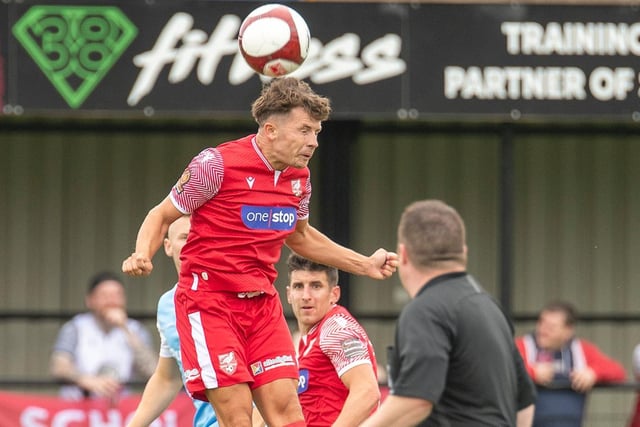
point(274, 40)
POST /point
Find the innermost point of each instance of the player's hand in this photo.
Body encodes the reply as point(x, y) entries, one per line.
point(137, 265)
point(384, 264)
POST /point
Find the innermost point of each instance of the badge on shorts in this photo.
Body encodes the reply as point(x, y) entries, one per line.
point(228, 362)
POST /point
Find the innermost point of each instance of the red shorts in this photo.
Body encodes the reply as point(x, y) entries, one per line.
point(227, 340)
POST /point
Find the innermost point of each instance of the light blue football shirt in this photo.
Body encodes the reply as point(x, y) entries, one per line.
point(170, 347)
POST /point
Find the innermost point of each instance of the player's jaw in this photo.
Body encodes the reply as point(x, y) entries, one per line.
point(308, 314)
point(303, 158)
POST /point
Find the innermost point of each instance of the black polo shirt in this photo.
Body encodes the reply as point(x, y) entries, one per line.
point(454, 347)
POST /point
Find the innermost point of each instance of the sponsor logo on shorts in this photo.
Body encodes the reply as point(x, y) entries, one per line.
point(354, 348)
point(303, 381)
point(191, 375)
point(269, 217)
point(257, 368)
point(228, 362)
point(278, 362)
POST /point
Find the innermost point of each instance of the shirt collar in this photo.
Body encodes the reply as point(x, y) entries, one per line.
point(439, 279)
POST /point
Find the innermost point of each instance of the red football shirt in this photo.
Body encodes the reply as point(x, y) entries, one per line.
point(242, 210)
point(332, 347)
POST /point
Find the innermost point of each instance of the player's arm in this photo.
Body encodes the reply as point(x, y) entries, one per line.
point(150, 238)
point(310, 243)
point(161, 389)
point(363, 397)
point(399, 411)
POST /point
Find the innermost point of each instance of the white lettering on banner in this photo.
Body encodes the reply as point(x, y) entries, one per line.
point(541, 83)
point(514, 83)
point(572, 38)
point(606, 83)
point(382, 57)
point(34, 416)
point(336, 60)
point(552, 82)
point(222, 42)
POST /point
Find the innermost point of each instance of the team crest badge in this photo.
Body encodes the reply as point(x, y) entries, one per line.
point(186, 176)
point(228, 362)
point(296, 187)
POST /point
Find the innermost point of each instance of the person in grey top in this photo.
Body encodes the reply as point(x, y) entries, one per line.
point(97, 352)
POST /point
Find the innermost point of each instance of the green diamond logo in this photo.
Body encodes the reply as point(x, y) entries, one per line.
point(75, 46)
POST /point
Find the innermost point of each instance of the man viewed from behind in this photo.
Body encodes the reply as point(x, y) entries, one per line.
point(454, 362)
point(564, 367)
point(338, 384)
point(100, 350)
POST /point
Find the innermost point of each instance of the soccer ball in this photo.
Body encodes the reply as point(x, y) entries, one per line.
point(274, 40)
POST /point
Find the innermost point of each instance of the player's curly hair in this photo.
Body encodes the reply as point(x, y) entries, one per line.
point(283, 94)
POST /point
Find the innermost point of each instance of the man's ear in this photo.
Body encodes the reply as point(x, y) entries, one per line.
point(167, 247)
point(270, 130)
point(403, 259)
point(335, 294)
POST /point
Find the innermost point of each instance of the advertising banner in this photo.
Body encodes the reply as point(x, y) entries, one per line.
point(389, 60)
point(34, 410)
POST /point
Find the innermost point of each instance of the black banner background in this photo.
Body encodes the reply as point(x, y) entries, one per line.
point(430, 38)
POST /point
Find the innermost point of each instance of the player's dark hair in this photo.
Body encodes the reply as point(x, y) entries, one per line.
point(295, 263)
point(283, 94)
point(103, 276)
point(569, 311)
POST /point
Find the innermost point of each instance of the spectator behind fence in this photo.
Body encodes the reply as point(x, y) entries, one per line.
point(563, 367)
point(454, 362)
point(97, 352)
point(635, 417)
point(338, 384)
